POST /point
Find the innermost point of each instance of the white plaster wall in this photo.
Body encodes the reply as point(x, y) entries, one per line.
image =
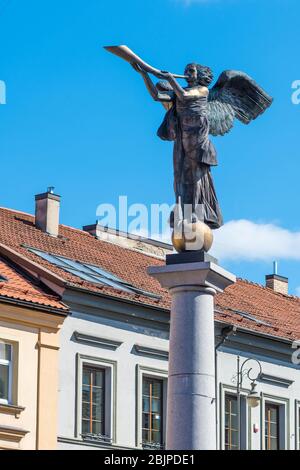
point(126, 375)
point(227, 370)
point(126, 369)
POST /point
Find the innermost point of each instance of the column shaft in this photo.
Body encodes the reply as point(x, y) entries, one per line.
point(191, 414)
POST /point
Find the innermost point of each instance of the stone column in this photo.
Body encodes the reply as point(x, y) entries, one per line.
point(191, 410)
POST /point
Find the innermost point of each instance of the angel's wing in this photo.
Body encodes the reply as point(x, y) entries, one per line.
point(235, 95)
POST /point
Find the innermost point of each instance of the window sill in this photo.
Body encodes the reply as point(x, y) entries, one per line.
point(11, 410)
point(97, 438)
point(100, 445)
point(152, 446)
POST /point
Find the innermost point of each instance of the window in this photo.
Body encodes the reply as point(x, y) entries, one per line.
point(93, 401)
point(91, 273)
point(5, 372)
point(231, 422)
point(96, 399)
point(151, 407)
point(152, 412)
point(272, 441)
point(229, 419)
point(275, 422)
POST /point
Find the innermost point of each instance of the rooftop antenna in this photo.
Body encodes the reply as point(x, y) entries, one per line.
point(275, 267)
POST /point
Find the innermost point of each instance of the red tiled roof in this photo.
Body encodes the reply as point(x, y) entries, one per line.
point(279, 314)
point(14, 285)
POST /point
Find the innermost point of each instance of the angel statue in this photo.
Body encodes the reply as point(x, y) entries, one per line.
point(194, 112)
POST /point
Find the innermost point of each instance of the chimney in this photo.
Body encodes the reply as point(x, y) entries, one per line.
point(276, 282)
point(47, 212)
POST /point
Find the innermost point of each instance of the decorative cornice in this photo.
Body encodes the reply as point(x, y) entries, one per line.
point(96, 341)
point(151, 352)
point(273, 380)
point(9, 433)
point(27, 315)
point(33, 306)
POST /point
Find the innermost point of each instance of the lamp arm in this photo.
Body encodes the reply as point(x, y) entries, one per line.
point(249, 371)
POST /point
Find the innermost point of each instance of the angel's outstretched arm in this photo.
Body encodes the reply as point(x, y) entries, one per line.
point(178, 90)
point(156, 95)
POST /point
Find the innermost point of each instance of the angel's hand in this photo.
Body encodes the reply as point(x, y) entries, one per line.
point(137, 67)
point(165, 75)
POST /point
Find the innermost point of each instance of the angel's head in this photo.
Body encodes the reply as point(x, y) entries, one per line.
point(198, 75)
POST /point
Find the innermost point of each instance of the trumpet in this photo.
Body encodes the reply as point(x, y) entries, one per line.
point(127, 54)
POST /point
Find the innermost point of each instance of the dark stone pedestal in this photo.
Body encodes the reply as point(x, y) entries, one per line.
point(190, 257)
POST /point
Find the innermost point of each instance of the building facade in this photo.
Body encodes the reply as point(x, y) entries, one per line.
point(113, 358)
point(128, 346)
point(30, 321)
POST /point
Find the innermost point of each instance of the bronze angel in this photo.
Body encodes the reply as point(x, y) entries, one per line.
point(194, 112)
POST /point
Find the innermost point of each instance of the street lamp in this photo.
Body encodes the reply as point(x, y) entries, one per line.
point(253, 397)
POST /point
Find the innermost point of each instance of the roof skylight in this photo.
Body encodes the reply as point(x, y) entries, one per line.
point(91, 273)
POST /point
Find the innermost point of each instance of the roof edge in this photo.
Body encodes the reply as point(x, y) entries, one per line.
point(30, 265)
point(63, 312)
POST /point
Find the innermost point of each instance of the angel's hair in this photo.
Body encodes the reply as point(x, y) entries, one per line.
point(205, 74)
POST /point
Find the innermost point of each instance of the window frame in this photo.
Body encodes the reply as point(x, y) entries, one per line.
point(10, 365)
point(230, 428)
point(152, 380)
point(276, 408)
point(297, 424)
point(91, 370)
point(284, 414)
point(245, 411)
point(110, 376)
point(159, 374)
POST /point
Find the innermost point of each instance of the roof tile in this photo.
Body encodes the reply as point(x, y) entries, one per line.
point(19, 287)
point(279, 314)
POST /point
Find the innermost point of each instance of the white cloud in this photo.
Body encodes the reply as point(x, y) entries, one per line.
point(245, 240)
point(297, 291)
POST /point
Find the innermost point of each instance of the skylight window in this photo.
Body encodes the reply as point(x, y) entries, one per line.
point(91, 273)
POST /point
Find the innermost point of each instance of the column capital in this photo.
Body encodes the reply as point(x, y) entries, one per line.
point(197, 275)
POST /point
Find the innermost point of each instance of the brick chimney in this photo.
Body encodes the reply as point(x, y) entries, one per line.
point(276, 282)
point(47, 207)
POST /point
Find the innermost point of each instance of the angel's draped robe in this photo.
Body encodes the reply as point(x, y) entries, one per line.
point(187, 124)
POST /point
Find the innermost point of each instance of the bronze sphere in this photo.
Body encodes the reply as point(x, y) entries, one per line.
point(195, 236)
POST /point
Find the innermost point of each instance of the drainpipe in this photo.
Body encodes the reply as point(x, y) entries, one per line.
point(225, 334)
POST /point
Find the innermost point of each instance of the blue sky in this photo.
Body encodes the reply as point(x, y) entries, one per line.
point(80, 119)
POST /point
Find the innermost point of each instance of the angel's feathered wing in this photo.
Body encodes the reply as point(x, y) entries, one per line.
point(235, 95)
